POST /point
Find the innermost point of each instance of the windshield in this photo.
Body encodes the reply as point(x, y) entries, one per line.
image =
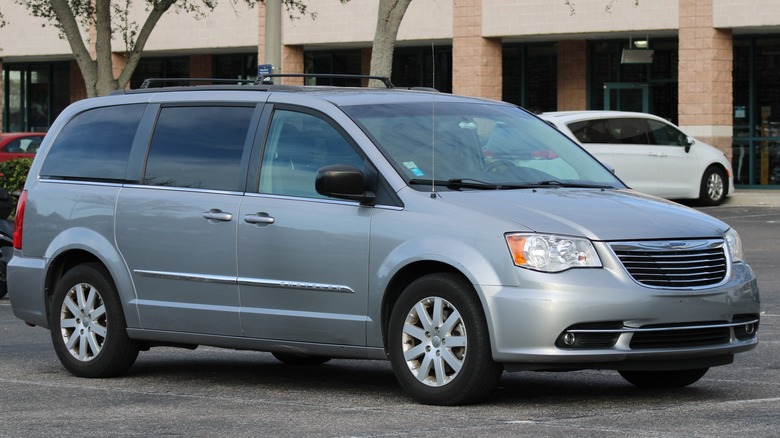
point(478, 146)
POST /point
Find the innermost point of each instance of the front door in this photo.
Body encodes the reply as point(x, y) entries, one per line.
point(302, 257)
point(620, 96)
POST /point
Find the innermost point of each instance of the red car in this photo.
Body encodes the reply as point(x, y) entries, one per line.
point(19, 144)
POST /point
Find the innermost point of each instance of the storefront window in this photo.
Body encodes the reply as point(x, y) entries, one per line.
point(531, 76)
point(34, 95)
point(14, 117)
point(650, 87)
point(239, 66)
point(756, 149)
point(346, 62)
point(414, 67)
point(178, 67)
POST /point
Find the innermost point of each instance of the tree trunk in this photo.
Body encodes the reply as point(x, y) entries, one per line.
point(105, 65)
point(70, 29)
point(391, 12)
point(134, 55)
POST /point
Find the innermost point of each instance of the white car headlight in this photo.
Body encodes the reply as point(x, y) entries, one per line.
point(735, 244)
point(550, 253)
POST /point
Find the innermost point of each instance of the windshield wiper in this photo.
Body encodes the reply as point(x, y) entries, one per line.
point(456, 183)
point(469, 183)
point(556, 183)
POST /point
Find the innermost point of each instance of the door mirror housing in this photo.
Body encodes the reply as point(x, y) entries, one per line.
point(688, 143)
point(344, 182)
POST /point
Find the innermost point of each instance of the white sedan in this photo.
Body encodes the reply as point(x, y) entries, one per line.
point(650, 154)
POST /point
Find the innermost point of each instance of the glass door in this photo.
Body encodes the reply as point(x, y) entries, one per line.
point(27, 103)
point(621, 96)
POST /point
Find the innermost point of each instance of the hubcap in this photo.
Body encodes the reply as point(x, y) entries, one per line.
point(83, 322)
point(715, 187)
point(434, 341)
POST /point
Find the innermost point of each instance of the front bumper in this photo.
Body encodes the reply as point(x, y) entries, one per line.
point(601, 319)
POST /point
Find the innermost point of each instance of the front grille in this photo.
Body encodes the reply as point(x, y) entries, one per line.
point(680, 338)
point(674, 264)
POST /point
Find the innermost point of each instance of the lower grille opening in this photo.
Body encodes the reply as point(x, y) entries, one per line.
point(697, 337)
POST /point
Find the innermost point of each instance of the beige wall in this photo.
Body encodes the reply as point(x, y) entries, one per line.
point(229, 25)
point(746, 13)
point(233, 26)
point(24, 37)
point(553, 17)
point(353, 23)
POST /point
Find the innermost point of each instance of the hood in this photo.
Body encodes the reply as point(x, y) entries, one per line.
point(606, 215)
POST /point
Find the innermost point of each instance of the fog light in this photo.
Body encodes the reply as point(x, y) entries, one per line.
point(569, 339)
point(750, 328)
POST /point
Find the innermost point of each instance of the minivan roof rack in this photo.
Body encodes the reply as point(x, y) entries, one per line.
point(262, 79)
point(152, 82)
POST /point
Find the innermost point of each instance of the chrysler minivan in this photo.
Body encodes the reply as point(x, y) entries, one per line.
point(457, 238)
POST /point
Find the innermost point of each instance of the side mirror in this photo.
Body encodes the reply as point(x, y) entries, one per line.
point(688, 143)
point(343, 182)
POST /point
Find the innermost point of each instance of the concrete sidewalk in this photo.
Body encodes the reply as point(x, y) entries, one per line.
point(753, 198)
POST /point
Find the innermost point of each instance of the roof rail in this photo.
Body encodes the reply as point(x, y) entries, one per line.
point(160, 82)
point(264, 78)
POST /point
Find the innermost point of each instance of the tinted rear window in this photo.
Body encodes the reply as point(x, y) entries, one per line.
point(95, 145)
point(198, 147)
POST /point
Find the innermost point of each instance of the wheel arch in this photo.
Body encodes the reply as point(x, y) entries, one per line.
point(406, 276)
point(69, 250)
point(725, 170)
point(704, 195)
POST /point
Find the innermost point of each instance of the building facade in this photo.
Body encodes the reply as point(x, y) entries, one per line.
point(707, 65)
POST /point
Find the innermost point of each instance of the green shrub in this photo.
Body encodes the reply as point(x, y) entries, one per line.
point(14, 174)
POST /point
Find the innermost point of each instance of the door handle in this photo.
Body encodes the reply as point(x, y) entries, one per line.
point(217, 215)
point(259, 219)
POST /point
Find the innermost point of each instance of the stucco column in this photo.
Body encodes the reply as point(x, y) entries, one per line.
point(476, 61)
point(572, 75)
point(292, 62)
point(705, 76)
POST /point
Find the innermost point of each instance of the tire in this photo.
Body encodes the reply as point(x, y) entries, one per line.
point(438, 342)
point(87, 324)
point(664, 379)
point(299, 359)
point(714, 187)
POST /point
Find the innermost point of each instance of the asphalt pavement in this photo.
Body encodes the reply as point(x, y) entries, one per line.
point(218, 392)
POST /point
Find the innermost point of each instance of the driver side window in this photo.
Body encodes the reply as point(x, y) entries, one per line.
point(297, 146)
point(666, 135)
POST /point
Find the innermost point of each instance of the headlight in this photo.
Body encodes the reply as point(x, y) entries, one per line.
point(735, 244)
point(550, 253)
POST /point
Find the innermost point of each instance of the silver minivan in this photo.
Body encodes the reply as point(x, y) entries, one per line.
point(456, 237)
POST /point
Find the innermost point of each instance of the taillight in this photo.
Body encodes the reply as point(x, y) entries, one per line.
point(19, 220)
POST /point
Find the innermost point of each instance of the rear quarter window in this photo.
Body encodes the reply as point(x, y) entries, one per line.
point(95, 144)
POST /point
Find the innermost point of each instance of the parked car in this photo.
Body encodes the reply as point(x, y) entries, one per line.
point(650, 154)
point(19, 144)
point(454, 236)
